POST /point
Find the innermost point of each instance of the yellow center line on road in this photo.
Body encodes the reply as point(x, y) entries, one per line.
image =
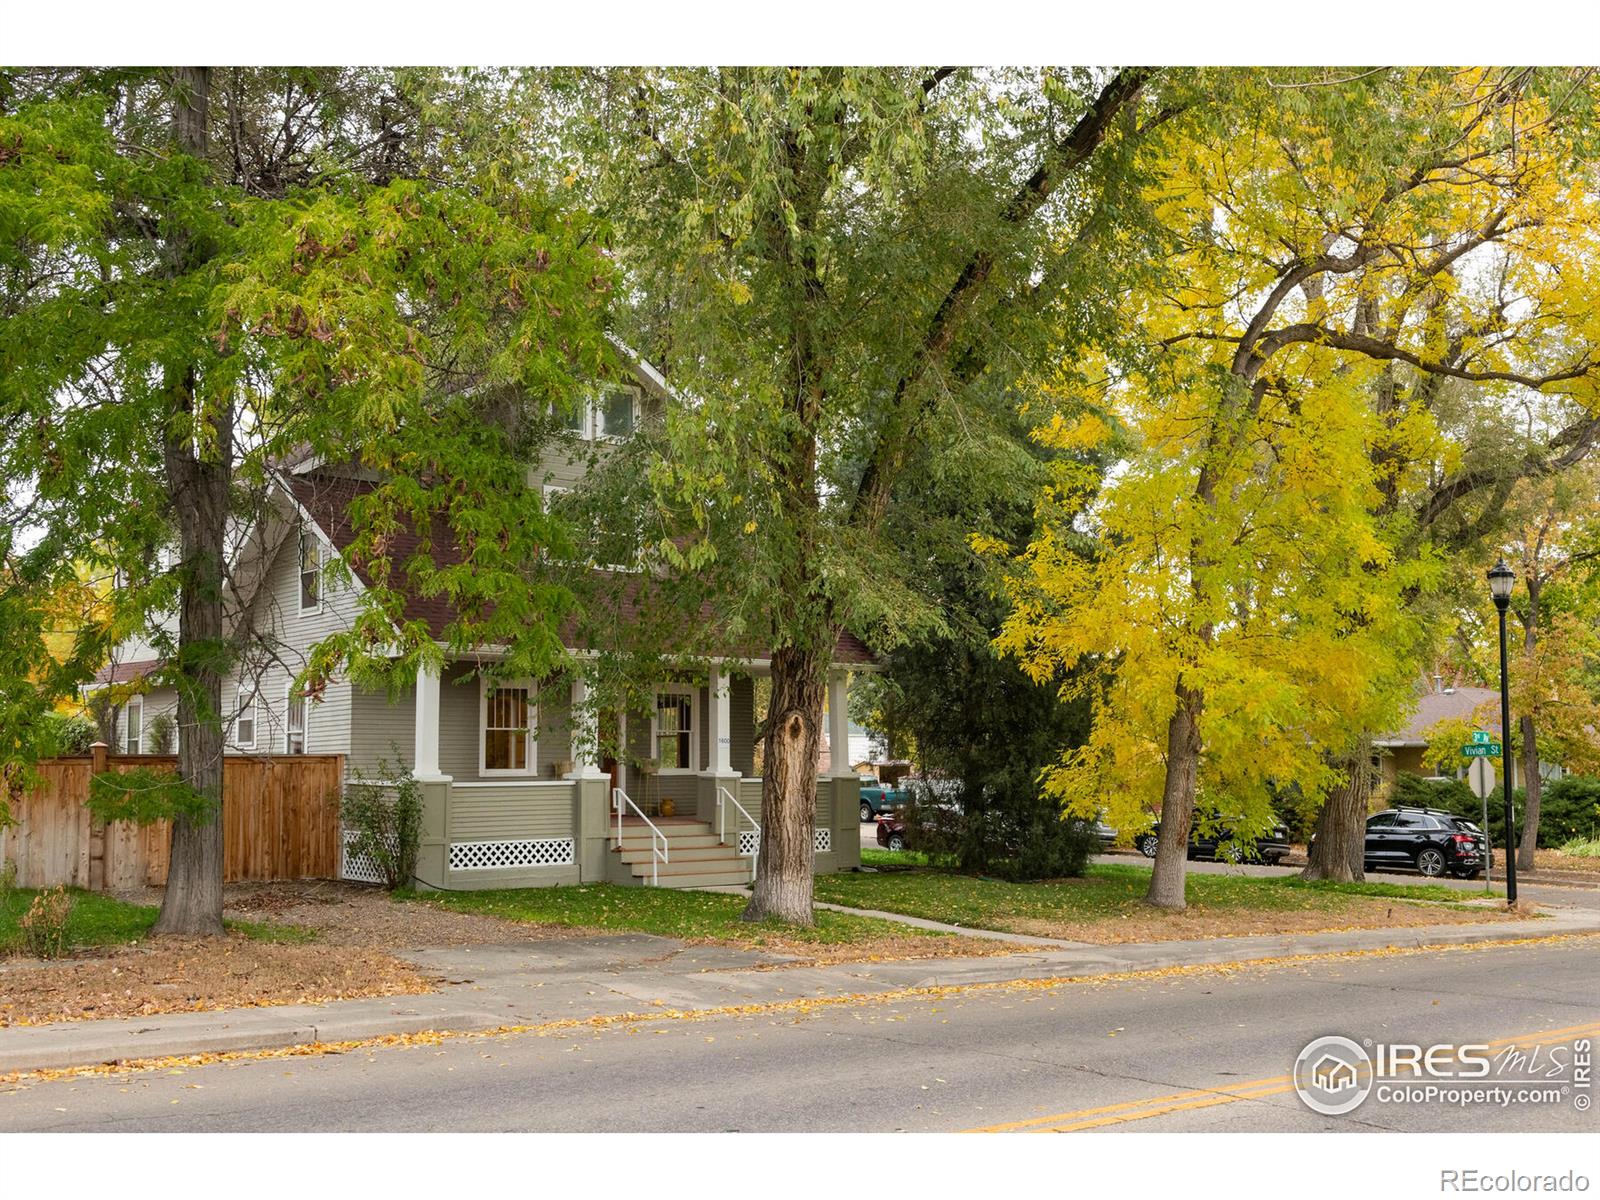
point(1277, 1085)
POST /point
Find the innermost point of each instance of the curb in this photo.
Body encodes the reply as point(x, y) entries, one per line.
point(175, 1043)
point(54, 1047)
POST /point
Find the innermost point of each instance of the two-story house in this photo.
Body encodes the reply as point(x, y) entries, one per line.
point(515, 791)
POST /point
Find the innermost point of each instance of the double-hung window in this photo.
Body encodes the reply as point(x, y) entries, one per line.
point(674, 730)
point(244, 723)
point(310, 571)
point(508, 714)
point(296, 709)
point(133, 726)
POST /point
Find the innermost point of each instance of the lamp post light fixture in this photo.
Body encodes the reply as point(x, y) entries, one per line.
point(1501, 581)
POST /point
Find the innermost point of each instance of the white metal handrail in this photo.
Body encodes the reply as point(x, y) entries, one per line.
point(723, 794)
point(621, 801)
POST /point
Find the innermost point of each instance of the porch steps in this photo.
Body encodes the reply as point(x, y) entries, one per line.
point(695, 858)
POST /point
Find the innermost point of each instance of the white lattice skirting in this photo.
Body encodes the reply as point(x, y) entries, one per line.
point(535, 852)
point(821, 841)
point(358, 865)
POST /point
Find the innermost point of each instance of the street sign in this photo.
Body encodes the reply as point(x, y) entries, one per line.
point(1480, 737)
point(1491, 750)
point(1481, 776)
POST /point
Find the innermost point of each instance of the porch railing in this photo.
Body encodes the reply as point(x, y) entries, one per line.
point(725, 798)
point(659, 845)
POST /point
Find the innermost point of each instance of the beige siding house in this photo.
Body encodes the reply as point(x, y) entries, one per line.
point(1404, 751)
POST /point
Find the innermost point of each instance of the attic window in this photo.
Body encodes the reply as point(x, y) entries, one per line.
point(310, 571)
point(616, 412)
point(609, 414)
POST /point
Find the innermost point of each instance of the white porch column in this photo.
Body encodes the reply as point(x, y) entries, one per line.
point(721, 724)
point(585, 723)
point(426, 753)
point(839, 723)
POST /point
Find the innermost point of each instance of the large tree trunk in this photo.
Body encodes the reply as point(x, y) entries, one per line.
point(198, 452)
point(1177, 801)
point(1531, 786)
point(1339, 851)
point(789, 789)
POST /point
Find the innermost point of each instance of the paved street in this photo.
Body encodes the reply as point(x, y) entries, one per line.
point(1155, 1053)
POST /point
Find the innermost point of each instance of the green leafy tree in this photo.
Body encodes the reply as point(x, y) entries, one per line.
point(207, 273)
point(831, 264)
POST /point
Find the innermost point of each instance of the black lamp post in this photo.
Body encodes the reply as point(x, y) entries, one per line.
point(1501, 581)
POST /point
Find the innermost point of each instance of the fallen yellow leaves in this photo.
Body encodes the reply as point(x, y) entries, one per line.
point(799, 1007)
point(168, 977)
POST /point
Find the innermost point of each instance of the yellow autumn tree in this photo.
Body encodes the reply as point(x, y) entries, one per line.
point(1347, 256)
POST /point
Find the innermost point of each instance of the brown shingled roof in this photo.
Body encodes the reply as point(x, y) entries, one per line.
point(126, 672)
point(327, 498)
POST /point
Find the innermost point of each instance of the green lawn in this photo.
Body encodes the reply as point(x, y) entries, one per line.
point(1105, 892)
point(98, 920)
point(654, 910)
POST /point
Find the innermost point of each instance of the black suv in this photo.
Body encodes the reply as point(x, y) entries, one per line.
point(1429, 839)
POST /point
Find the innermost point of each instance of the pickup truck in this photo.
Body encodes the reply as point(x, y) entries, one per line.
point(876, 799)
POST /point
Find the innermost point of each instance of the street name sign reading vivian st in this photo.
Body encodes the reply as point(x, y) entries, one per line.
point(1491, 750)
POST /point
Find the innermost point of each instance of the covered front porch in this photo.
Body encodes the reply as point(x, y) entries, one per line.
point(674, 803)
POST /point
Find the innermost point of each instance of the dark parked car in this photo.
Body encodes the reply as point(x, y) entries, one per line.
point(1428, 840)
point(892, 833)
point(1220, 845)
point(876, 799)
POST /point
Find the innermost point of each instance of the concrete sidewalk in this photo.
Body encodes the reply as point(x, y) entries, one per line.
point(540, 982)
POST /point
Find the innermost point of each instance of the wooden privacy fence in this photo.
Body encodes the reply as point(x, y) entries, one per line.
point(280, 820)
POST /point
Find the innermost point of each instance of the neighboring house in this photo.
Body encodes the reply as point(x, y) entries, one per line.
point(1405, 751)
point(514, 794)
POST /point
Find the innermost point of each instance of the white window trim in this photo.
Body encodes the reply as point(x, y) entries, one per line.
point(136, 746)
point(305, 534)
point(589, 414)
point(484, 687)
point(594, 413)
point(305, 719)
point(253, 703)
point(676, 689)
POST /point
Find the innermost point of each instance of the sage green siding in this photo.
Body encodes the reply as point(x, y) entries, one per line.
point(506, 810)
point(742, 705)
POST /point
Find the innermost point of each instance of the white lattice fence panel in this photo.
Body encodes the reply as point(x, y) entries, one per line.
point(359, 865)
point(750, 841)
point(528, 852)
